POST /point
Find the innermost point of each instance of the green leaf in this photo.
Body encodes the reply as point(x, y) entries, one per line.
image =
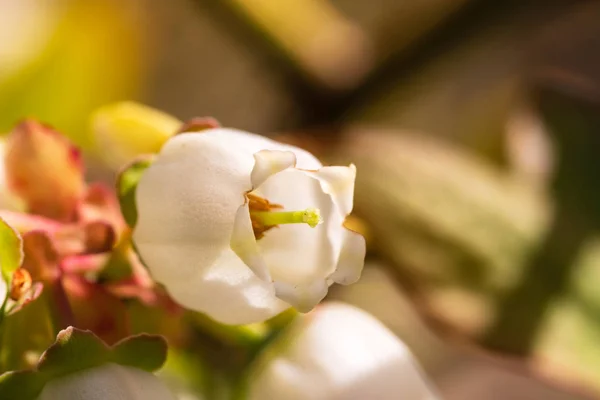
point(126, 185)
point(65, 355)
point(21, 385)
point(27, 333)
point(65, 63)
point(147, 352)
point(11, 250)
point(76, 350)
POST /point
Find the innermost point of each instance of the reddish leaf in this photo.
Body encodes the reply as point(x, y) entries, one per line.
point(99, 237)
point(96, 309)
point(100, 203)
point(41, 257)
point(30, 295)
point(86, 238)
point(84, 263)
point(27, 222)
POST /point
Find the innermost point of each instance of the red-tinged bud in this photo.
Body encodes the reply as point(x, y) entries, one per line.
point(45, 170)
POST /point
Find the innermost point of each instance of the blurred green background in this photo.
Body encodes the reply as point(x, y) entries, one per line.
point(475, 127)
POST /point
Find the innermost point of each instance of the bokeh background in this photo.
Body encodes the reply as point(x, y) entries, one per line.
point(474, 124)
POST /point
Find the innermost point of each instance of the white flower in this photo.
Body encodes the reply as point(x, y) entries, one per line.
point(108, 381)
point(338, 352)
point(206, 207)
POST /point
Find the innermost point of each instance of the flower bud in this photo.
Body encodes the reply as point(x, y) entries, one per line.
point(45, 170)
point(338, 352)
point(124, 130)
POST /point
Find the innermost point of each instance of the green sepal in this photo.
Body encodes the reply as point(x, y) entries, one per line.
point(76, 350)
point(127, 182)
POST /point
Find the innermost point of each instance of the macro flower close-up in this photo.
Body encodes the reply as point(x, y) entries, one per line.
point(299, 200)
point(241, 227)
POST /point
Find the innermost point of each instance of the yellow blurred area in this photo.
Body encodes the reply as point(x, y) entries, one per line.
point(87, 53)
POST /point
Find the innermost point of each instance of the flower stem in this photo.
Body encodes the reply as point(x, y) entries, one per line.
point(3, 310)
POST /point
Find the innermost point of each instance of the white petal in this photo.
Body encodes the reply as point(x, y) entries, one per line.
point(338, 182)
point(252, 143)
point(108, 381)
point(229, 293)
point(243, 243)
point(304, 260)
point(352, 259)
point(344, 352)
point(304, 297)
point(187, 202)
point(297, 253)
point(270, 162)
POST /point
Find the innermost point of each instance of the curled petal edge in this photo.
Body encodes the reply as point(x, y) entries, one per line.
point(338, 182)
point(268, 163)
point(351, 260)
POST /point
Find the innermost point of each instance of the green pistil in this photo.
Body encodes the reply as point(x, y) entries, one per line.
point(310, 216)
